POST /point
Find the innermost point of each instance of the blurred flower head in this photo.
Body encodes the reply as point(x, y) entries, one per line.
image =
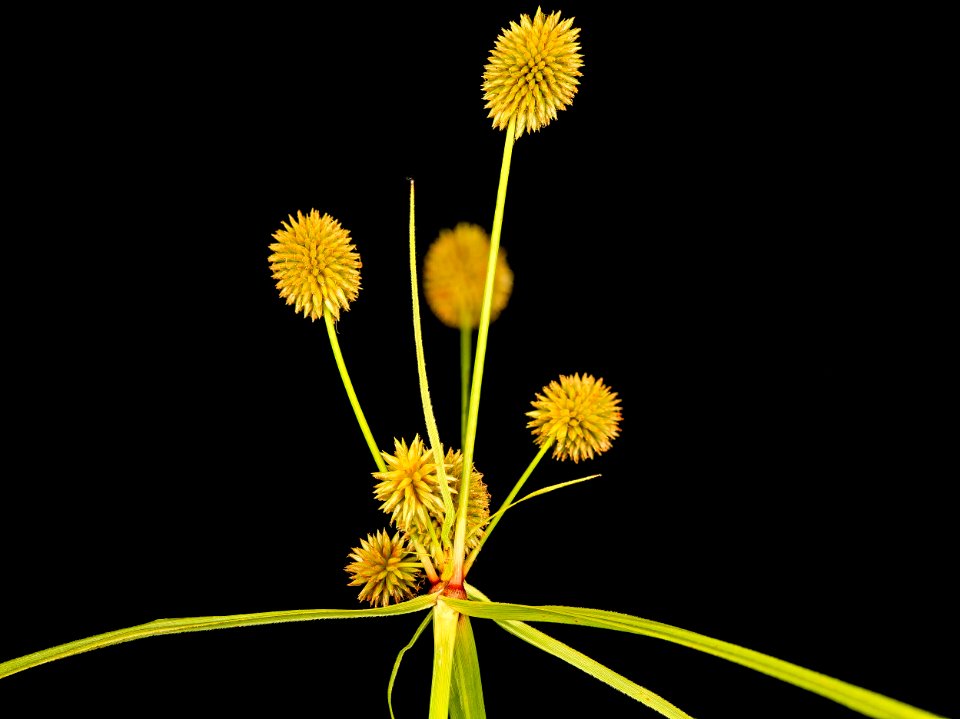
point(580, 414)
point(454, 271)
point(532, 72)
point(315, 265)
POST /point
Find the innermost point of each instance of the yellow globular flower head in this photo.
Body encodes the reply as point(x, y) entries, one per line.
point(580, 414)
point(385, 567)
point(532, 72)
point(410, 488)
point(454, 271)
point(315, 265)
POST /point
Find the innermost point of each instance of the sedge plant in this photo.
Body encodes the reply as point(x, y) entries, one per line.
point(437, 501)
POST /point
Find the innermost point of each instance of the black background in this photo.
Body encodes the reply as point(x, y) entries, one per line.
point(706, 228)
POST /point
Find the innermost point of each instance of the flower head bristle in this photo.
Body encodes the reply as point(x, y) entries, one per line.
point(454, 271)
point(532, 72)
point(385, 567)
point(315, 265)
point(580, 414)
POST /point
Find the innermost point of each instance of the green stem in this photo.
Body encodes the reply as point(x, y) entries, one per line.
point(510, 497)
point(348, 385)
point(466, 336)
point(484, 329)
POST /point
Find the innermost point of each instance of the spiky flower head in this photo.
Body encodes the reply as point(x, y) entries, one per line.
point(532, 72)
point(410, 488)
point(478, 499)
point(385, 567)
point(315, 265)
point(580, 414)
point(454, 271)
point(478, 511)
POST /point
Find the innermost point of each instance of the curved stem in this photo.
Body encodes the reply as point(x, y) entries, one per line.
point(483, 331)
point(348, 385)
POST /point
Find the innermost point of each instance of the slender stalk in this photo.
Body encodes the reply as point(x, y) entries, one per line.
point(510, 497)
point(483, 331)
point(348, 385)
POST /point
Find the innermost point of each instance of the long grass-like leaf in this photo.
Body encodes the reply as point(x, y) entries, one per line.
point(433, 433)
point(444, 641)
point(199, 624)
point(396, 665)
point(551, 488)
point(499, 513)
point(866, 702)
point(584, 663)
point(592, 667)
point(467, 691)
point(492, 520)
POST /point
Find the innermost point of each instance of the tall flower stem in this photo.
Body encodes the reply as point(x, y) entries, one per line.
point(348, 385)
point(484, 329)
